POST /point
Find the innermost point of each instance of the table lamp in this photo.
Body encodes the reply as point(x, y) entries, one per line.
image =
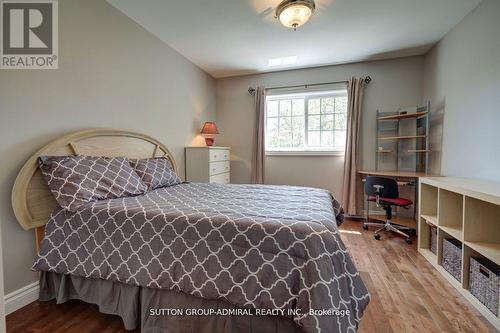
point(209, 131)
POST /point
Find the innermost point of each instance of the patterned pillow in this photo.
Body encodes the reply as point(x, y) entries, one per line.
point(77, 180)
point(156, 172)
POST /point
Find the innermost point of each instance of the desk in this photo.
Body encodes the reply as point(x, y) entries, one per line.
point(396, 174)
point(410, 177)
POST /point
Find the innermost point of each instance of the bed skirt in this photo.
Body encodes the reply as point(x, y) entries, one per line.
point(145, 307)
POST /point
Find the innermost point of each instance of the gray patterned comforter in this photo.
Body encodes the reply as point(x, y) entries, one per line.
point(258, 247)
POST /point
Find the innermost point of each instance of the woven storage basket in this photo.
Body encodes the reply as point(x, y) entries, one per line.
point(484, 282)
point(433, 239)
point(452, 257)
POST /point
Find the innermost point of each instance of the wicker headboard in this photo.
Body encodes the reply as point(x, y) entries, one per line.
point(32, 200)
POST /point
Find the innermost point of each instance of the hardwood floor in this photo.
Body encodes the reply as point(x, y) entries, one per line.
point(408, 295)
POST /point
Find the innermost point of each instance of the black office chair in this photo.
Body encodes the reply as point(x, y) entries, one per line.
point(384, 191)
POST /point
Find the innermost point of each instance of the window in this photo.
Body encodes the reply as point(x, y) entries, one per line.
point(306, 123)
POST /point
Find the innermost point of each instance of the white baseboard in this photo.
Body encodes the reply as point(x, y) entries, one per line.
point(21, 297)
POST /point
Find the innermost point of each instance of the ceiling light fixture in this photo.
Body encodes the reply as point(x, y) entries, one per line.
point(295, 13)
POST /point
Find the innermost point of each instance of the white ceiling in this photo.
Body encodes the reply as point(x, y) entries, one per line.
point(235, 37)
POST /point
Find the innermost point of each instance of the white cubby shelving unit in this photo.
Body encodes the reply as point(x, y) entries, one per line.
point(469, 211)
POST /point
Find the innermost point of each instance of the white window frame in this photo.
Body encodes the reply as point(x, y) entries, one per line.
point(307, 151)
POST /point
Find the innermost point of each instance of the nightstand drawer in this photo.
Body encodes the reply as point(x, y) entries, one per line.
point(222, 178)
point(208, 164)
point(217, 155)
point(218, 167)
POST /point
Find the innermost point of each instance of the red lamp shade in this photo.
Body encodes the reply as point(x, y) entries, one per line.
point(209, 130)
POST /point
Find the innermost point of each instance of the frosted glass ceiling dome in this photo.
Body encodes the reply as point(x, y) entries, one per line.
point(295, 13)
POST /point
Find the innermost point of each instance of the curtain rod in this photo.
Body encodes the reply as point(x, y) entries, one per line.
point(252, 90)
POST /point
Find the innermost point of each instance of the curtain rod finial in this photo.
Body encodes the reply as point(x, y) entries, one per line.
point(368, 79)
point(251, 90)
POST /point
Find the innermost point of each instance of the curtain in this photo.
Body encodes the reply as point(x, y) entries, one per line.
point(351, 162)
point(258, 138)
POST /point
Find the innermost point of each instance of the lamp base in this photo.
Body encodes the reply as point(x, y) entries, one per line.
point(209, 141)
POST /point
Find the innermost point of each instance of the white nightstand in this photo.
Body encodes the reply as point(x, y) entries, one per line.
point(208, 164)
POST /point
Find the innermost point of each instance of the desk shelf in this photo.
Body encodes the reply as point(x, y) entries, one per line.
point(418, 150)
point(468, 210)
point(403, 116)
point(402, 139)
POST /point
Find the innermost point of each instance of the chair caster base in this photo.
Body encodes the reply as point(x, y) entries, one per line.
point(376, 236)
point(365, 227)
point(411, 232)
point(408, 240)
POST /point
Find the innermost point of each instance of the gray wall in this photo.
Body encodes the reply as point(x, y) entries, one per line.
point(112, 73)
point(396, 83)
point(462, 80)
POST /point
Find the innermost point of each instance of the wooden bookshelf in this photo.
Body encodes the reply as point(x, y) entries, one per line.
point(455, 232)
point(404, 132)
point(469, 211)
point(489, 250)
point(427, 254)
point(403, 116)
point(401, 137)
point(418, 150)
point(432, 219)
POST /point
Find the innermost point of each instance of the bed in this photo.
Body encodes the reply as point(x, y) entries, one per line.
point(238, 258)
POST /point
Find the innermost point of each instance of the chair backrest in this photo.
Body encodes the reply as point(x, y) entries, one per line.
point(389, 190)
